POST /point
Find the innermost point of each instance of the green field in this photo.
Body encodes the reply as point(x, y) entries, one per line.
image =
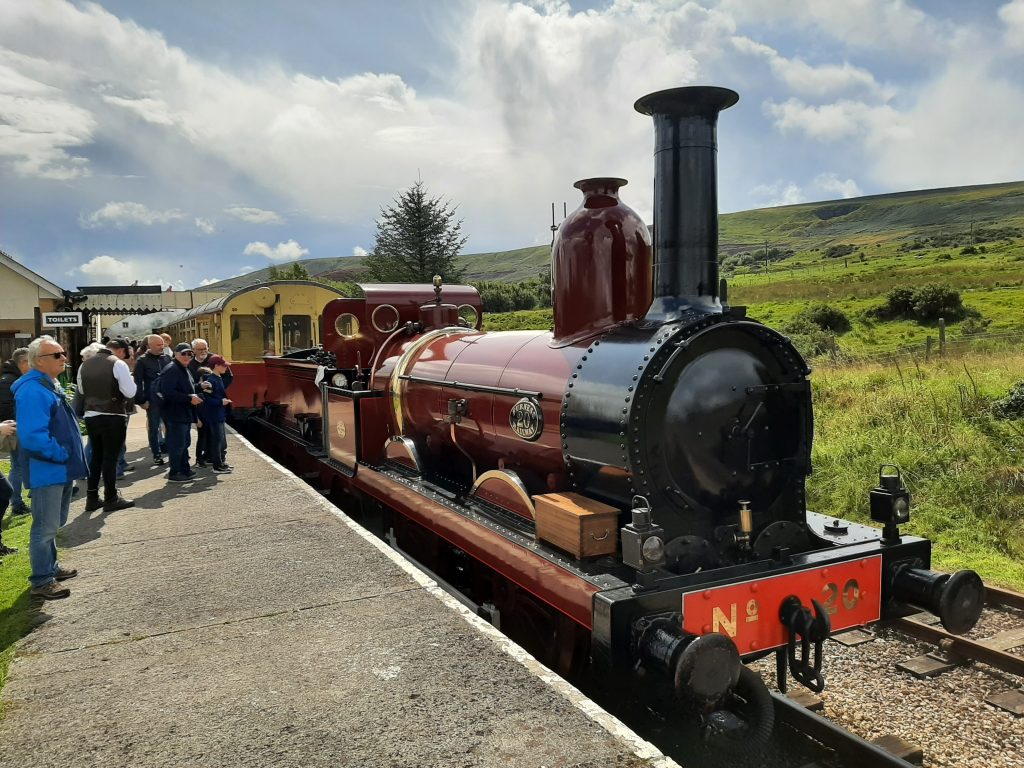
point(16, 613)
point(964, 468)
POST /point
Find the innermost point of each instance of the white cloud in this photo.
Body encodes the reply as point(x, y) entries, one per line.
point(126, 214)
point(813, 80)
point(40, 127)
point(1012, 15)
point(140, 270)
point(206, 226)
point(105, 266)
point(151, 110)
point(208, 281)
point(359, 251)
point(844, 119)
point(824, 186)
point(254, 215)
point(891, 25)
point(288, 251)
point(830, 183)
point(779, 193)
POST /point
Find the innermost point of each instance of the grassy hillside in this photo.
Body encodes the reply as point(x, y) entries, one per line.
point(809, 229)
point(964, 468)
point(865, 221)
point(509, 266)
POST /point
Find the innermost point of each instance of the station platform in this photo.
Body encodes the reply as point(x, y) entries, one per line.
point(241, 620)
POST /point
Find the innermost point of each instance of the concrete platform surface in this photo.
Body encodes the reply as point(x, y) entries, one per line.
point(240, 620)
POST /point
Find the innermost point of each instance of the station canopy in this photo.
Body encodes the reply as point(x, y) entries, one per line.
point(124, 300)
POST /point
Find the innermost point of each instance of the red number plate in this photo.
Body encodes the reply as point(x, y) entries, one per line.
point(748, 612)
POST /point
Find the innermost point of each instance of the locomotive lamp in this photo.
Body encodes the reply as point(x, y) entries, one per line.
point(643, 543)
point(890, 503)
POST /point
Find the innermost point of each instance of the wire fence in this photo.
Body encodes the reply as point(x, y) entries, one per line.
point(932, 347)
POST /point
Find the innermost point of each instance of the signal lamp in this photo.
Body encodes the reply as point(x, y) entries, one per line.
point(890, 503)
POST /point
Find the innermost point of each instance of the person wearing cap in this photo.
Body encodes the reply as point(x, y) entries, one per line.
point(108, 390)
point(178, 400)
point(212, 414)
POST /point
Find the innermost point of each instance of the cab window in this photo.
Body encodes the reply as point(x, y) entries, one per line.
point(296, 333)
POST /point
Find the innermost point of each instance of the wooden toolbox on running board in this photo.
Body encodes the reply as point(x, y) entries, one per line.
point(580, 526)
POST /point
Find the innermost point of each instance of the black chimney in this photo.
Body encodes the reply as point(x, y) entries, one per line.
point(685, 197)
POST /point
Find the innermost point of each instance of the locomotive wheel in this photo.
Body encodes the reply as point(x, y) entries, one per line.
point(745, 724)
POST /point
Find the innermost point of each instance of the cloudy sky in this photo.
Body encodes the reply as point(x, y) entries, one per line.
point(189, 141)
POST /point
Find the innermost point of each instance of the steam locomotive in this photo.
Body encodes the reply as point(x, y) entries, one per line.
point(625, 492)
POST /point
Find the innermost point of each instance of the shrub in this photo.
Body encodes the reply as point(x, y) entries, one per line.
point(509, 297)
point(899, 302)
point(824, 317)
point(1012, 405)
point(838, 251)
point(974, 325)
point(932, 301)
point(810, 339)
point(926, 303)
point(968, 250)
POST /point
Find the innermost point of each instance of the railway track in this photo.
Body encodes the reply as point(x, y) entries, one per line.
point(847, 747)
point(993, 648)
point(953, 650)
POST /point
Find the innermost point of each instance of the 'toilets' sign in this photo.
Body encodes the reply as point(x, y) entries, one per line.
point(62, 320)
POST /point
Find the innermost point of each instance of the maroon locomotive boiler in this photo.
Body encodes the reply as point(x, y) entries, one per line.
point(625, 491)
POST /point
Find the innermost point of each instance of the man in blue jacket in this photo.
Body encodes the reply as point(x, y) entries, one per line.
point(52, 459)
point(178, 400)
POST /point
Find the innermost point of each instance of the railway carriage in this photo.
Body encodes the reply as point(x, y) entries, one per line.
point(265, 319)
point(626, 491)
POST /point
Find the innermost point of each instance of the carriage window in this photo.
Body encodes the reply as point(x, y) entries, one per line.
point(296, 332)
point(347, 325)
point(247, 337)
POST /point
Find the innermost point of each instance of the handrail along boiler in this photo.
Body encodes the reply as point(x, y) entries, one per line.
point(626, 490)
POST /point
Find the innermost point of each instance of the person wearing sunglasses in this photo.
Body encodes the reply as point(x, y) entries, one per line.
point(52, 459)
point(178, 400)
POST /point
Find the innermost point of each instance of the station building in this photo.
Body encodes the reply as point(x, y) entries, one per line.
point(31, 305)
point(24, 298)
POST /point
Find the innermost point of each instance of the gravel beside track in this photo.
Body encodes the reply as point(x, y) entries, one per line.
point(946, 715)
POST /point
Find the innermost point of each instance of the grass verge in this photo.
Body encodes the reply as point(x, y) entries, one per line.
point(964, 468)
point(16, 611)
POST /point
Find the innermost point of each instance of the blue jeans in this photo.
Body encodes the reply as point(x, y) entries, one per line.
point(5, 494)
point(50, 506)
point(157, 443)
point(15, 480)
point(179, 437)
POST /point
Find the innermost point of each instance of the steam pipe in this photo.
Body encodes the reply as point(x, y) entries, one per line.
point(685, 197)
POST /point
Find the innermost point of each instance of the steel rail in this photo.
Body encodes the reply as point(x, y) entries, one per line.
point(999, 597)
point(848, 746)
point(957, 646)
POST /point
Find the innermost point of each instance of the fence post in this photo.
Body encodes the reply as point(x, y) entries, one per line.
point(927, 348)
point(942, 336)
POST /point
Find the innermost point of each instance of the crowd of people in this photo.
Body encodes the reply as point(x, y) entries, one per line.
point(176, 388)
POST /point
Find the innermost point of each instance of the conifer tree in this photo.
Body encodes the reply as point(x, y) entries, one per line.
point(417, 237)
